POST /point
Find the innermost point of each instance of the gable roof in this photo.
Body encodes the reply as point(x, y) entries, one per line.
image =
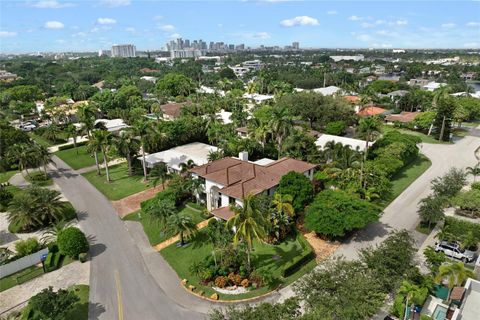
point(240, 178)
point(172, 109)
point(404, 117)
point(371, 111)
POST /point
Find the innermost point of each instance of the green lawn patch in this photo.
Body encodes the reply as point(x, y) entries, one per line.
point(459, 132)
point(79, 160)
point(405, 177)
point(154, 229)
point(5, 176)
point(121, 184)
point(424, 228)
point(39, 178)
point(270, 258)
point(425, 138)
point(20, 277)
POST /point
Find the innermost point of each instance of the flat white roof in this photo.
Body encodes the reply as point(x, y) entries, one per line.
point(195, 151)
point(327, 91)
point(264, 161)
point(354, 143)
point(224, 116)
point(113, 124)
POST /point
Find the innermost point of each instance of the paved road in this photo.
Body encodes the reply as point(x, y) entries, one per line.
point(402, 212)
point(121, 285)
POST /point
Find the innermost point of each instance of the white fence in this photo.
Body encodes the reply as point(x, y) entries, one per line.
point(22, 263)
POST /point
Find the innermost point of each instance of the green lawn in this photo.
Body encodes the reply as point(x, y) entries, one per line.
point(78, 160)
point(265, 256)
point(425, 138)
point(405, 177)
point(154, 229)
point(45, 183)
point(424, 228)
point(121, 184)
point(5, 176)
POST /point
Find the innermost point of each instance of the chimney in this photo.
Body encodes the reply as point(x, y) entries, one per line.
point(243, 156)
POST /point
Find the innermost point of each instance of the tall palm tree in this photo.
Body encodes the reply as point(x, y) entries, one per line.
point(411, 293)
point(474, 171)
point(143, 129)
point(104, 140)
point(185, 166)
point(93, 146)
point(283, 204)
point(182, 225)
point(86, 115)
point(281, 125)
point(47, 204)
point(42, 156)
point(71, 131)
point(159, 173)
point(249, 224)
point(51, 132)
point(21, 152)
point(127, 145)
point(369, 128)
point(21, 212)
point(456, 274)
point(161, 211)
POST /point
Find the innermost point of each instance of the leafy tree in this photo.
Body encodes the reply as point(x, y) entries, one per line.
point(42, 156)
point(27, 246)
point(333, 213)
point(21, 152)
point(431, 210)
point(383, 86)
point(299, 187)
point(71, 132)
point(434, 259)
point(249, 223)
point(468, 202)
point(144, 130)
point(72, 241)
point(424, 120)
point(159, 173)
point(52, 305)
point(127, 145)
point(281, 125)
point(449, 184)
point(182, 225)
point(474, 171)
point(174, 84)
point(336, 128)
point(445, 107)
point(161, 210)
point(289, 309)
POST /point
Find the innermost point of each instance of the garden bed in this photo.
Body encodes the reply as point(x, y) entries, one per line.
point(271, 259)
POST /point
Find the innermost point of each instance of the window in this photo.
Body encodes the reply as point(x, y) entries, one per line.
point(231, 200)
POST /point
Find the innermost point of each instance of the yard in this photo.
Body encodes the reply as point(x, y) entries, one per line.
point(267, 257)
point(45, 142)
point(406, 177)
point(5, 176)
point(121, 184)
point(425, 138)
point(81, 160)
point(154, 230)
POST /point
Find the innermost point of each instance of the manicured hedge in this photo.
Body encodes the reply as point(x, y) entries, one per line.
point(53, 261)
point(71, 146)
point(296, 263)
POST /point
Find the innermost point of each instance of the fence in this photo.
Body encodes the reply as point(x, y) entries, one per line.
point(22, 263)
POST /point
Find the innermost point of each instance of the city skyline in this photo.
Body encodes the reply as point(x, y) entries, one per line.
point(54, 25)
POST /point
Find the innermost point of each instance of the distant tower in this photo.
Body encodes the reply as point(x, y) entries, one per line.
point(295, 45)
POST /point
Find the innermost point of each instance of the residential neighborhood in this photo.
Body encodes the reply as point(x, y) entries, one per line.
point(161, 161)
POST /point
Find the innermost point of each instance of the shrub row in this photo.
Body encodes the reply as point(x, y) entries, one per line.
point(71, 146)
point(53, 261)
point(296, 263)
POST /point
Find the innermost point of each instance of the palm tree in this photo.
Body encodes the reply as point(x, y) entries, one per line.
point(161, 211)
point(182, 225)
point(411, 293)
point(474, 171)
point(103, 139)
point(369, 128)
point(456, 274)
point(42, 156)
point(143, 129)
point(159, 173)
point(21, 152)
point(87, 114)
point(281, 125)
point(214, 155)
point(51, 132)
point(185, 166)
point(249, 224)
point(283, 204)
point(127, 145)
point(47, 204)
point(21, 212)
point(71, 131)
point(94, 147)
point(51, 234)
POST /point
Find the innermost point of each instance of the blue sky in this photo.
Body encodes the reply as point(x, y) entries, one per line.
point(78, 25)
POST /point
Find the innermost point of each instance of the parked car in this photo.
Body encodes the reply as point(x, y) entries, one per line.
point(454, 250)
point(27, 127)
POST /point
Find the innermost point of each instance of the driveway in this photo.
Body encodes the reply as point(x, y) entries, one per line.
point(402, 212)
point(121, 286)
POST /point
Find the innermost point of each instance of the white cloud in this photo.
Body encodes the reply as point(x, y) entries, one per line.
point(115, 3)
point(51, 4)
point(355, 18)
point(167, 27)
point(380, 22)
point(382, 45)
point(106, 21)
point(367, 25)
point(7, 34)
point(363, 37)
point(299, 21)
point(401, 22)
point(175, 35)
point(448, 25)
point(261, 35)
point(54, 25)
point(220, 25)
point(473, 24)
point(79, 34)
point(332, 12)
point(157, 17)
point(472, 45)
point(253, 35)
point(130, 29)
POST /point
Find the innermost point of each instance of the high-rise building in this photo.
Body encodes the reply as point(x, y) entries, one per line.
point(295, 45)
point(124, 51)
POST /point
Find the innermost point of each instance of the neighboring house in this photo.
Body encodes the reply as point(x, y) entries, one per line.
point(397, 94)
point(227, 181)
point(469, 298)
point(467, 76)
point(389, 77)
point(7, 76)
point(432, 86)
point(328, 91)
point(403, 117)
point(353, 100)
point(112, 125)
point(353, 143)
point(242, 132)
point(149, 78)
point(258, 98)
point(172, 111)
point(371, 110)
point(195, 151)
point(418, 82)
point(208, 90)
point(224, 116)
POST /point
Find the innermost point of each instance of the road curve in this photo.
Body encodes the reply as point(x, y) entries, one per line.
point(121, 286)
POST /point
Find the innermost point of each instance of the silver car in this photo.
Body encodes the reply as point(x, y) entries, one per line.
point(454, 250)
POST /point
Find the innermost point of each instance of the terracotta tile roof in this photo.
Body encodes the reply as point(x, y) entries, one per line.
point(352, 99)
point(224, 213)
point(172, 109)
point(371, 111)
point(148, 70)
point(403, 116)
point(457, 293)
point(240, 178)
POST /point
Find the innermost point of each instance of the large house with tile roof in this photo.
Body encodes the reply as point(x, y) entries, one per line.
point(227, 181)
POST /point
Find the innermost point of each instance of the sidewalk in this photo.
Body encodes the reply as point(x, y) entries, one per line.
point(101, 165)
point(132, 203)
point(73, 273)
point(53, 149)
point(176, 238)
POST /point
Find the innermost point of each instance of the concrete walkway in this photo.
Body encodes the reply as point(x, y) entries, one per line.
point(16, 297)
point(53, 149)
point(101, 165)
point(132, 203)
point(176, 238)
